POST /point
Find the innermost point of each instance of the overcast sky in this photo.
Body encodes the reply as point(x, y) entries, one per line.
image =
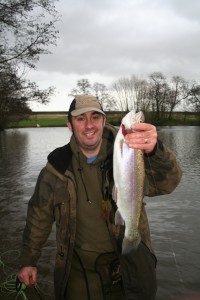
point(103, 40)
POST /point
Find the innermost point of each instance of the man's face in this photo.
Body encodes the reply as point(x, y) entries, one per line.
point(88, 129)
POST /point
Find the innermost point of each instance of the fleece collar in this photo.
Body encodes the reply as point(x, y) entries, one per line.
point(61, 158)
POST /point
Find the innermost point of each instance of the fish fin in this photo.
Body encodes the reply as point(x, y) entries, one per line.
point(118, 218)
point(114, 193)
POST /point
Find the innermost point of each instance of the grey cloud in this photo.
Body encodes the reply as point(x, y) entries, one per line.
point(118, 38)
point(186, 9)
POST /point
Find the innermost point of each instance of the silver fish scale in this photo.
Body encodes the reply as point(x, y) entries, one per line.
point(128, 171)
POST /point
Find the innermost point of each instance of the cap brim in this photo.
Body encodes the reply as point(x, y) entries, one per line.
point(81, 111)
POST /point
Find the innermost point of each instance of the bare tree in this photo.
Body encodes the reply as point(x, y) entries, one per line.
point(141, 89)
point(125, 93)
point(194, 97)
point(179, 91)
point(100, 91)
point(158, 94)
point(83, 86)
point(103, 94)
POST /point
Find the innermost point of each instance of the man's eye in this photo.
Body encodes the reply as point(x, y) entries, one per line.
point(96, 117)
point(80, 119)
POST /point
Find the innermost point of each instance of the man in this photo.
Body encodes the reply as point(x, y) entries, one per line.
point(74, 189)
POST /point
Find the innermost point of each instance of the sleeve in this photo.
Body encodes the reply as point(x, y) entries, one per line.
point(162, 170)
point(39, 221)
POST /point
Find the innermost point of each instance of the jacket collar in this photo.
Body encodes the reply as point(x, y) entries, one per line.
point(61, 158)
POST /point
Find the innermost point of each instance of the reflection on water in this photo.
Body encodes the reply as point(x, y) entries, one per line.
point(185, 142)
point(23, 153)
point(174, 219)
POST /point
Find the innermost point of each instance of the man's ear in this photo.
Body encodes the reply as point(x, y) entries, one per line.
point(69, 125)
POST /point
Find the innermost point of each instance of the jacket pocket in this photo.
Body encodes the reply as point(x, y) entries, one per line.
point(58, 212)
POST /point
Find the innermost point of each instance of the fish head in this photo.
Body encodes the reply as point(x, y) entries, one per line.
point(130, 119)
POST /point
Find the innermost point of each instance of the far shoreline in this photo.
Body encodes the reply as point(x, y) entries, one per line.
point(59, 118)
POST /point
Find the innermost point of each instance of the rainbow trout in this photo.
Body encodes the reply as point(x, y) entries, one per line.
point(128, 171)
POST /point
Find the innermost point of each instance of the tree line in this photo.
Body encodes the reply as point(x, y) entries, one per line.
point(155, 94)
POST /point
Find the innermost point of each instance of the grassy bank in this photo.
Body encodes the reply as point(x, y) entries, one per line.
point(41, 120)
point(52, 119)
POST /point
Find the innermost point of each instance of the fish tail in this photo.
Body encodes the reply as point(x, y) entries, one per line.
point(128, 246)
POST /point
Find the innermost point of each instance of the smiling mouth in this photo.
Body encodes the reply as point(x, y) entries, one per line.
point(91, 133)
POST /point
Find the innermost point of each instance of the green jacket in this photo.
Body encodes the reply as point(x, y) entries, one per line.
point(55, 200)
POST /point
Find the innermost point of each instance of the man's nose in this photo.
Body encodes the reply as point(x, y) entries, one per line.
point(89, 122)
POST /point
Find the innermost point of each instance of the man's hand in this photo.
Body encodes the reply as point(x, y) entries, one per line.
point(142, 136)
point(28, 275)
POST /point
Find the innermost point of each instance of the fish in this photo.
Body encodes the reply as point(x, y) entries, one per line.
point(128, 173)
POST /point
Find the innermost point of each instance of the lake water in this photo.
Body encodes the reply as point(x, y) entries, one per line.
point(174, 219)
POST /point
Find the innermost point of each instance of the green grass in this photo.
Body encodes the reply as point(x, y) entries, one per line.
point(114, 118)
point(41, 120)
point(189, 119)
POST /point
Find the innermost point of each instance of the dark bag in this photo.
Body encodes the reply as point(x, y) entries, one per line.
point(138, 269)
